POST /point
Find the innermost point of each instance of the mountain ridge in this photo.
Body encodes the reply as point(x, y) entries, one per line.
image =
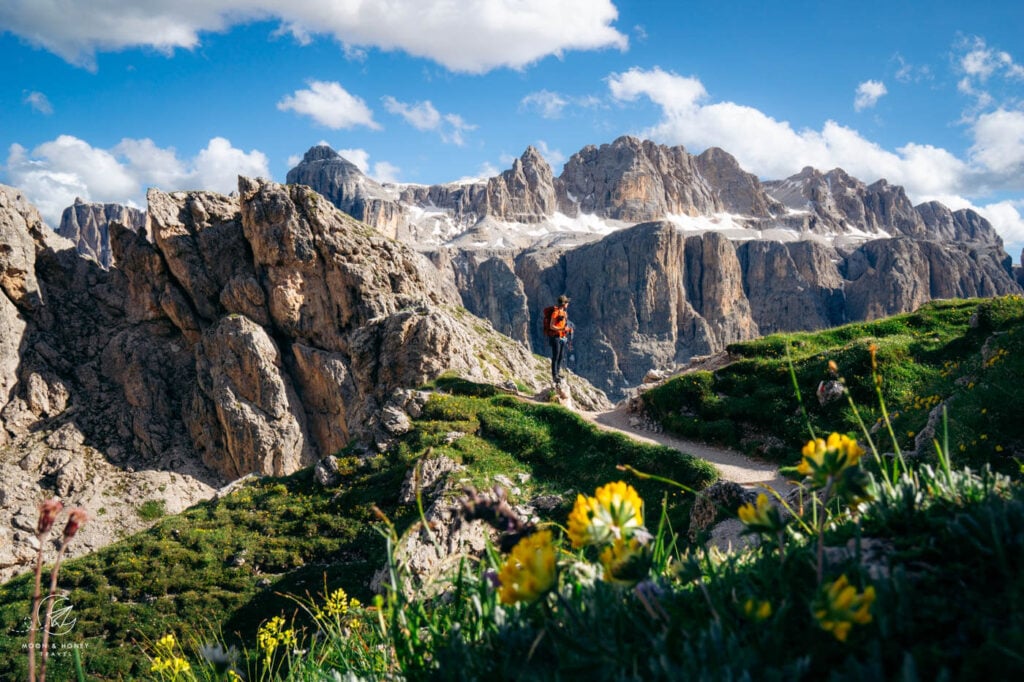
point(630, 181)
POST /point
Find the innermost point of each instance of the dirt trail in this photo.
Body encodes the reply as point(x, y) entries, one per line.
point(732, 465)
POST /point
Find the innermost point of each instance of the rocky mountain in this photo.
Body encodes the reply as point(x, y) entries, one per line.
point(811, 251)
point(234, 335)
point(716, 255)
point(88, 226)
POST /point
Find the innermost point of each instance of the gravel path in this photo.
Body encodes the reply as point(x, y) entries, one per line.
point(732, 465)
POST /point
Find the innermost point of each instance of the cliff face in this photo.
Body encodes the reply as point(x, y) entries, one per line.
point(234, 335)
point(349, 189)
point(88, 226)
point(652, 297)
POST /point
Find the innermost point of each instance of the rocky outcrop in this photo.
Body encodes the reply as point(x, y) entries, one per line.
point(349, 189)
point(261, 331)
point(739, 191)
point(255, 333)
point(965, 225)
point(88, 226)
point(650, 297)
point(636, 181)
point(790, 286)
point(898, 275)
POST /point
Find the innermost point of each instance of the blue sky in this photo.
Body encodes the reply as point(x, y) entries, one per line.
point(101, 99)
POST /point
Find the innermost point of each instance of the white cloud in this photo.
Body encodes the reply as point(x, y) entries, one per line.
point(56, 172)
point(39, 102)
point(330, 105)
point(490, 33)
point(424, 116)
point(385, 172)
point(218, 166)
point(999, 142)
point(984, 67)
point(868, 94)
point(773, 149)
point(549, 104)
point(552, 105)
point(360, 158)
point(382, 171)
point(1008, 219)
point(909, 73)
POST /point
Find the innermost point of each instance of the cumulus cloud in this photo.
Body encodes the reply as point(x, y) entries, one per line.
point(549, 104)
point(984, 69)
point(424, 116)
point(1008, 219)
point(552, 105)
point(330, 105)
point(381, 171)
point(999, 142)
point(473, 36)
point(55, 173)
point(868, 94)
point(773, 149)
point(39, 102)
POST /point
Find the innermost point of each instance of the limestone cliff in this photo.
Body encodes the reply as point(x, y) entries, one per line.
point(348, 188)
point(88, 226)
point(234, 335)
point(651, 297)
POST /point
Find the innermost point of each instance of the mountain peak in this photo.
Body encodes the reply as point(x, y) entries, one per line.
point(320, 152)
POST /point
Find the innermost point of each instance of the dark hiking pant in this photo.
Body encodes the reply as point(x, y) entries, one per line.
point(558, 345)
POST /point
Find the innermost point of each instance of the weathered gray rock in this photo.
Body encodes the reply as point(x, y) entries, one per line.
point(233, 335)
point(20, 223)
point(348, 188)
point(637, 181)
point(87, 225)
point(240, 381)
point(791, 286)
point(717, 501)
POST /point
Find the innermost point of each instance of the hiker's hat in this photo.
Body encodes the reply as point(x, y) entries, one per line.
point(563, 299)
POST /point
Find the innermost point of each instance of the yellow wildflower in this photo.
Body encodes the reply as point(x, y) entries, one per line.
point(838, 452)
point(761, 515)
point(335, 605)
point(529, 571)
point(625, 562)
point(841, 607)
point(171, 666)
point(272, 635)
point(614, 513)
point(757, 611)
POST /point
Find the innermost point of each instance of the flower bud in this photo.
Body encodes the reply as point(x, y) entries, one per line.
point(48, 511)
point(76, 518)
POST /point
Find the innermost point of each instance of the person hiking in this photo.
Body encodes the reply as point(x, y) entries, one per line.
point(557, 329)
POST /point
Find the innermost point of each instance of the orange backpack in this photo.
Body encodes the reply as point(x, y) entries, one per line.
point(555, 320)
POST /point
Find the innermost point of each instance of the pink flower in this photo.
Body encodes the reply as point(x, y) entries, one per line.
point(48, 511)
point(76, 518)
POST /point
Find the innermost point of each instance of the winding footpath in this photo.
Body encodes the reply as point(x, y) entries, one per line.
point(733, 466)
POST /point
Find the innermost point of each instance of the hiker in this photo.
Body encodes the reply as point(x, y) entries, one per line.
point(557, 329)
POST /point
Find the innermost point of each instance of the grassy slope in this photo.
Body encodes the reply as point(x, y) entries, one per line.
point(953, 599)
point(224, 564)
point(931, 355)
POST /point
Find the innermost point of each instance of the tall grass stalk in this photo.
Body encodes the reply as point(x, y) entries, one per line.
point(796, 389)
